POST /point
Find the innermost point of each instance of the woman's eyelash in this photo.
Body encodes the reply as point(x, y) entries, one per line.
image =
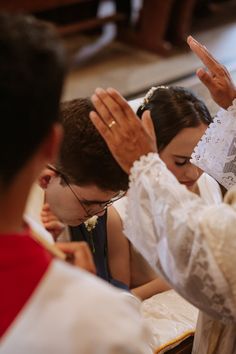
point(181, 163)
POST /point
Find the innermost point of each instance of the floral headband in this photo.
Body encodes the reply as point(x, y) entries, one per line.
point(150, 93)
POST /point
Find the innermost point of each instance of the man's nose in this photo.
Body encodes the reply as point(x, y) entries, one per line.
point(100, 213)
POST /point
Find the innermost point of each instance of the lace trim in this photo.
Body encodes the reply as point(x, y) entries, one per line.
point(216, 151)
point(143, 163)
point(170, 226)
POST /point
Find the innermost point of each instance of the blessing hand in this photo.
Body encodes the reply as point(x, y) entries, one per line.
point(127, 137)
point(217, 79)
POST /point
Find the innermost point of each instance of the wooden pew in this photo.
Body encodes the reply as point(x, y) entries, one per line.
point(180, 21)
point(151, 28)
point(183, 348)
point(35, 5)
point(41, 6)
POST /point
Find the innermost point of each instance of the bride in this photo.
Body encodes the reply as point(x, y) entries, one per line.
point(180, 120)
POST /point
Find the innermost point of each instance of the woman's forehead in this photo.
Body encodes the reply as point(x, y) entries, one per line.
point(185, 141)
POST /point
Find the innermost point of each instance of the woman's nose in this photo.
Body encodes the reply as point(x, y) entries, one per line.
point(193, 172)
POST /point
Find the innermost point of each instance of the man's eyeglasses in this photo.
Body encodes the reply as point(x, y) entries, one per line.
point(90, 211)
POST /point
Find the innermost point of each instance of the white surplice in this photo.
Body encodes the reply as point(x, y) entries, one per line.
point(171, 318)
point(73, 312)
point(192, 244)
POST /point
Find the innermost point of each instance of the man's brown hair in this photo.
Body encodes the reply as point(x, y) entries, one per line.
point(84, 157)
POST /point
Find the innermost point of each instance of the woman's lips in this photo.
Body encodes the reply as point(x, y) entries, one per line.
point(188, 183)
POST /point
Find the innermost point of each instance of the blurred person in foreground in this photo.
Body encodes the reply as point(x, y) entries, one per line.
point(46, 305)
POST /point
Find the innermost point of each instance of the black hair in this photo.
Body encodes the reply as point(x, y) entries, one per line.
point(173, 109)
point(32, 68)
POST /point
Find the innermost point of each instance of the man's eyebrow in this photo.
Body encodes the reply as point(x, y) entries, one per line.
point(88, 202)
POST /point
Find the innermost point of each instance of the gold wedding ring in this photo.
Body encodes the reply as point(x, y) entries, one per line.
point(113, 122)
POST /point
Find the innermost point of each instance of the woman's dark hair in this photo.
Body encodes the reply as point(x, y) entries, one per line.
point(173, 109)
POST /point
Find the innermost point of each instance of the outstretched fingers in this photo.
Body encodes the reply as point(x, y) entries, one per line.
point(204, 55)
point(122, 103)
point(101, 125)
point(107, 107)
point(217, 79)
point(113, 117)
point(206, 79)
point(102, 106)
point(120, 128)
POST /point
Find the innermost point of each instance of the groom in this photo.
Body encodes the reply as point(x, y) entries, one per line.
point(82, 183)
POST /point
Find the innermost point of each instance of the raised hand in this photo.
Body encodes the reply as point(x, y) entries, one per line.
point(217, 79)
point(126, 136)
point(51, 222)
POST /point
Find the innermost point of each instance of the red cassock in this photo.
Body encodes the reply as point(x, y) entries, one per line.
point(23, 263)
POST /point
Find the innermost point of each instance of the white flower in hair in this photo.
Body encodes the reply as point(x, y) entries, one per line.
point(150, 93)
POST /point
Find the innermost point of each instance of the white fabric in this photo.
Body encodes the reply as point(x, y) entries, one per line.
point(191, 244)
point(34, 203)
point(209, 190)
point(216, 152)
point(38, 228)
point(134, 104)
point(172, 318)
point(73, 312)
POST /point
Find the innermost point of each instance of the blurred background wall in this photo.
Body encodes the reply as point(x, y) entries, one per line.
point(134, 44)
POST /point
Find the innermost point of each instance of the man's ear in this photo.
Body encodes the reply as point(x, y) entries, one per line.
point(45, 177)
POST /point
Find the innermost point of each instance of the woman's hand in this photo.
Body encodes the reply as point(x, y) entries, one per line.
point(217, 79)
point(78, 254)
point(126, 136)
point(51, 222)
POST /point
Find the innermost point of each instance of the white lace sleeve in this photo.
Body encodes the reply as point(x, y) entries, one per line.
point(170, 226)
point(216, 151)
